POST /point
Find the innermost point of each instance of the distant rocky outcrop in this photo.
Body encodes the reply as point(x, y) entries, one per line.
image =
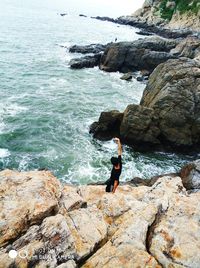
point(149, 28)
point(170, 14)
point(169, 112)
point(66, 226)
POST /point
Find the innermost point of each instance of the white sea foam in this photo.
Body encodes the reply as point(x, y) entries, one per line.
point(11, 109)
point(4, 153)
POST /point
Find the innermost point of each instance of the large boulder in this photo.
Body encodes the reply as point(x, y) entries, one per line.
point(190, 175)
point(173, 92)
point(168, 117)
point(142, 54)
point(108, 125)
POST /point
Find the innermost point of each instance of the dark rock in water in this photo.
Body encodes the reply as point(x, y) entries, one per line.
point(141, 54)
point(144, 33)
point(63, 14)
point(168, 117)
point(82, 15)
point(127, 77)
point(93, 48)
point(108, 125)
point(85, 62)
point(104, 19)
point(190, 175)
point(151, 28)
point(142, 78)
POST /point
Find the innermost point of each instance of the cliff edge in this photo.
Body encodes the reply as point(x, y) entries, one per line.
point(46, 224)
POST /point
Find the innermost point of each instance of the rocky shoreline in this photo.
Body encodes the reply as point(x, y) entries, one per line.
point(167, 117)
point(53, 225)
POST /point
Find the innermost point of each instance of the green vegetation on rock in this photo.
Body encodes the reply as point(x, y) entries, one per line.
point(168, 8)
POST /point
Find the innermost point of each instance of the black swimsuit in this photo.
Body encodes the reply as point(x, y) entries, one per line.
point(115, 173)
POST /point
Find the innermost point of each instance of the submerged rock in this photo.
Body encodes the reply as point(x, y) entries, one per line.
point(136, 226)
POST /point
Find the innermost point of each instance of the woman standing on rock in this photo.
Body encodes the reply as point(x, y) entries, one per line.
point(113, 182)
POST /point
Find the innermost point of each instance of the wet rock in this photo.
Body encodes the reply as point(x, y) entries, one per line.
point(142, 32)
point(85, 62)
point(126, 77)
point(93, 48)
point(190, 175)
point(107, 126)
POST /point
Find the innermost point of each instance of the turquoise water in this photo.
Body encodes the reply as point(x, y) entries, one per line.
point(46, 108)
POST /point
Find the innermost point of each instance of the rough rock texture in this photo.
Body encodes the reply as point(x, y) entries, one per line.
point(169, 112)
point(136, 20)
point(85, 62)
point(190, 175)
point(151, 13)
point(173, 92)
point(135, 227)
point(189, 47)
point(108, 125)
point(92, 48)
point(142, 54)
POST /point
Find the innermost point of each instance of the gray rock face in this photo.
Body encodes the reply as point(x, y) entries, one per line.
point(173, 92)
point(108, 125)
point(168, 117)
point(93, 48)
point(190, 175)
point(139, 125)
point(138, 55)
point(189, 47)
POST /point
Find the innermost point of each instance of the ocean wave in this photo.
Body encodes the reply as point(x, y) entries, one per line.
point(4, 153)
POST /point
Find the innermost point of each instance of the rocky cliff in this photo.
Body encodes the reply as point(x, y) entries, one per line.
point(169, 112)
point(174, 14)
point(46, 224)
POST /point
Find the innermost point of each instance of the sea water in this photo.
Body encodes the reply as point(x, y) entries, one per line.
point(46, 108)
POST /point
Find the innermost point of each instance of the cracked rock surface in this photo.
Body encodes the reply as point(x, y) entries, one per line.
point(66, 226)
